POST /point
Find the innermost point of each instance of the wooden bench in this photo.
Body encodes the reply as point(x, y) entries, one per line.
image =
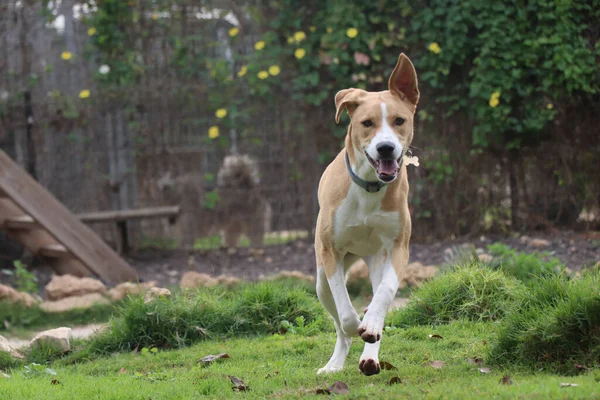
point(120, 218)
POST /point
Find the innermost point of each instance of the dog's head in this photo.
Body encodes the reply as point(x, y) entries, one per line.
point(381, 123)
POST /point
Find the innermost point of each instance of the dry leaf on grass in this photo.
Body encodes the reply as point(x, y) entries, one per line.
point(475, 360)
point(337, 388)
point(123, 371)
point(485, 370)
point(238, 384)
point(435, 336)
point(580, 367)
point(568, 385)
point(395, 380)
point(505, 380)
point(270, 376)
point(207, 360)
point(55, 382)
point(436, 364)
point(386, 366)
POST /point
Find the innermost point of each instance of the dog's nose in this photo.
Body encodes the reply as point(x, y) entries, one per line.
point(385, 149)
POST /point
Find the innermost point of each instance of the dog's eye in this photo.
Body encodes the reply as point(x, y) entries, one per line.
point(399, 121)
point(367, 123)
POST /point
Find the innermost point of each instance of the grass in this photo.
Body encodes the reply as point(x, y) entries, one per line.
point(270, 239)
point(467, 292)
point(285, 367)
point(523, 266)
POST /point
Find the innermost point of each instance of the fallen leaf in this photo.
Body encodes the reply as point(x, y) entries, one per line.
point(568, 385)
point(435, 336)
point(506, 380)
point(477, 361)
point(386, 366)
point(323, 391)
point(123, 371)
point(580, 367)
point(436, 364)
point(55, 382)
point(484, 343)
point(485, 370)
point(338, 388)
point(395, 380)
point(238, 384)
point(274, 374)
point(207, 360)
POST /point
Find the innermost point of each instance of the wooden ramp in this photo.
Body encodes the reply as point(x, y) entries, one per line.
point(32, 216)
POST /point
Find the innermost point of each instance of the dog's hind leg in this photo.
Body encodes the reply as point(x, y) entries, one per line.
point(343, 342)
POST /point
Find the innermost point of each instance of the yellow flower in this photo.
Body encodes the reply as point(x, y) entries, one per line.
point(221, 113)
point(494, 99)
point(274, 70)
point(290, 40)
point(243, 70)
point(312, 28)
point(259, 45)
point(336, 60)
point(213, 132)
point(233, 32)
point(263, 75)
point(299, 53)
point(352, 33)
point(84, 94)
point(434, 48)
point(329, 29)
point(91, 31)
point(154, 16)
point(549, 106)
point(299, 36)
point(66, 55)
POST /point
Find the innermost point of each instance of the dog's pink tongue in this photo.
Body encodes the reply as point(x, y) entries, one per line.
point(388, 167)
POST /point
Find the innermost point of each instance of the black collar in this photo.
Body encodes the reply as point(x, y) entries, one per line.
point(371, 187)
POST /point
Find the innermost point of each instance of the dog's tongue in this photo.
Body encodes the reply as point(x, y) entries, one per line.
point(387, 167)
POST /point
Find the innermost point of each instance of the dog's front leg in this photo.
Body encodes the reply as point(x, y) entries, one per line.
point(334, 296)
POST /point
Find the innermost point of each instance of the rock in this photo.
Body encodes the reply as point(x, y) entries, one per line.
point(62, 286)
point(13, 296)
point(357, 272)
point(293, 274)
point(155, 293)
point(74, 302)
point(524, 239)
point(228, 280)
point(125, 289)
point(538, 243)
point(193, 279)
point(416, 272)
point(7, 348)
point(485, 258)
point(58, 339)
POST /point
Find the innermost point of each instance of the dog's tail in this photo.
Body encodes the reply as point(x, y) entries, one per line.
point(239, 171)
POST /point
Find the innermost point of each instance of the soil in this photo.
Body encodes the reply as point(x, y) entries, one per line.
point(574, 249)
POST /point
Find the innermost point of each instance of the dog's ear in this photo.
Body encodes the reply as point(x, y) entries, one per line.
point(403, 81)
point(346, 99)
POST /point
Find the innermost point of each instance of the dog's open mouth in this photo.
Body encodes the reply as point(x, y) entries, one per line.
point(386, 169)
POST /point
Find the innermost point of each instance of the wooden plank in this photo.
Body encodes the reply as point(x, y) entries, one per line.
point(123, 215)
point(23, 222)
point(54, 250)
point(65, 227)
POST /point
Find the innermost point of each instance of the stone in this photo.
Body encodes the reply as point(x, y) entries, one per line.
point(13, 296)
point(7, 348)
point(538, 243)
point(416, 272)
point(485, 258)
point(155, 293)
point(293, 274)
point(74, 302)
point(228, 280)
point(193, 279)
point(58, 339)
point(125, 289)
point(62, 286)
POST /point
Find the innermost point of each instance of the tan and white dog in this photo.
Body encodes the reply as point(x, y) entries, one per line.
point(363, 198)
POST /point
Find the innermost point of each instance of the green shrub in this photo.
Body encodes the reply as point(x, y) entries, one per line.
point(556, 326)
point(521, 265)
point(468, 292)
point(189, 317)
point(8, 362)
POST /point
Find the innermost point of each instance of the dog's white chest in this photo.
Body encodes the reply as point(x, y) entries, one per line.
point(361, 228)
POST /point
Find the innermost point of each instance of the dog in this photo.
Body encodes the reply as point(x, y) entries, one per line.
point(363, 199)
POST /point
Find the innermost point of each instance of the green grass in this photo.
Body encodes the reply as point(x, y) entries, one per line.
point(523, 266)
point(468, 292)
point(285, 367)
point(270, 239)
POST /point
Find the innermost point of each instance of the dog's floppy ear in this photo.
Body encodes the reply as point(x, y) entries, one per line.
point(345, 99)
point(403, 81)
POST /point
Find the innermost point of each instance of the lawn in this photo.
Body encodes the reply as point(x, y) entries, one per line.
point(285, 366)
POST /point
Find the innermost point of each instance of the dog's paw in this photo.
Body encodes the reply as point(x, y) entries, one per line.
point(369, 367)
point(329, 369)
point(370, 329)
point(350, 324)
